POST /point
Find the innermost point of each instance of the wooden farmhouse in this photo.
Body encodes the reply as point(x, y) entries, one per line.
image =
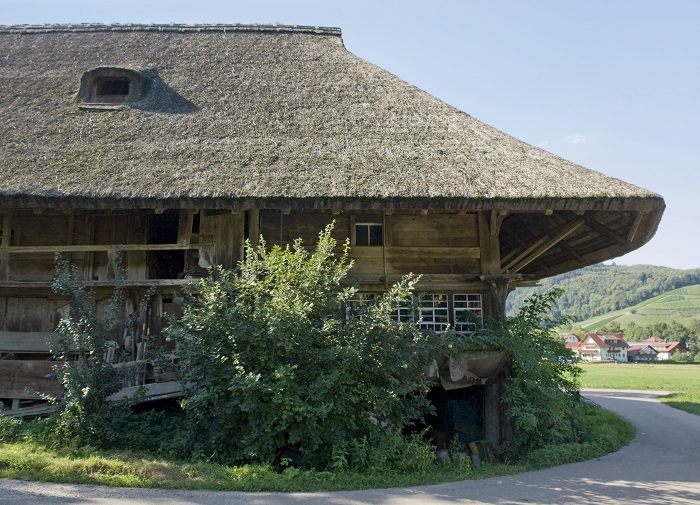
point(176, 143)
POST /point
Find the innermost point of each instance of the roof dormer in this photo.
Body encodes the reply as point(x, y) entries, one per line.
point(111, 88)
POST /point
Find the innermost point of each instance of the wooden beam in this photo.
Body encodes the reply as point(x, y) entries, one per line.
point(408, 252)
point(100, 248)
point(526, 252)
point(566, 247)
point(635, 227)
point(544, 246)
point(602, 230)
point(254, 227)
point(489, 230)
point(6, 237)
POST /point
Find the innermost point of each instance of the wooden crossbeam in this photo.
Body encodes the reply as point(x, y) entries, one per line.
point(100, 248)
point(525, 253)
point(602, 230)
point(635, 227)
point(541, 246)
point(566, 247)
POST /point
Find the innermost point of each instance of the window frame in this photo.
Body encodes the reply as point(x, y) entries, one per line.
point(369, 225)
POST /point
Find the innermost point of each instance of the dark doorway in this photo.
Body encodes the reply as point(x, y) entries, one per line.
point(162, 229)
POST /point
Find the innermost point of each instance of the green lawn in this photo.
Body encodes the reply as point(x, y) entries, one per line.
point(684, 379)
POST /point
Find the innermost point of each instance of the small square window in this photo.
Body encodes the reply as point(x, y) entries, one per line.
point(369, 234)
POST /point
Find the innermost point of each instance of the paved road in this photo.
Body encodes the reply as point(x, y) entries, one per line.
point(661, 467)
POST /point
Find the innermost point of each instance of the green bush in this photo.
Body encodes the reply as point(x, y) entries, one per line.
point(11, 429)
point(541, 388)
point(599, 432)
point(276, 355)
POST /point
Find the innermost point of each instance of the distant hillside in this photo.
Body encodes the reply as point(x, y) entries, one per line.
point(600, 289)
point(678, 306)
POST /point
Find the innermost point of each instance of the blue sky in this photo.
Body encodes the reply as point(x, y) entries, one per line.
point(611, 85)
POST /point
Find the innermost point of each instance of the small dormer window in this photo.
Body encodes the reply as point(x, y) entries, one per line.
point(110, 89)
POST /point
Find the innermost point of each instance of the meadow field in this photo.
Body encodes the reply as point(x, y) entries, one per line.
point(683, 379)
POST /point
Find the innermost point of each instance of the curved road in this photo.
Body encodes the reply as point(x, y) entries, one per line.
point(660, 467)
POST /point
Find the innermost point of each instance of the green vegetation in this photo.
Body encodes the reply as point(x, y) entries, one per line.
point(276, 357)
point(638, 302)
point(542, 390)
point(680, 306)
point(600, 289)
point(682, 378)
point(24, 456)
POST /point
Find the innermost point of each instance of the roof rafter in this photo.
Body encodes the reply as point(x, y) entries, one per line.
point(541, 246)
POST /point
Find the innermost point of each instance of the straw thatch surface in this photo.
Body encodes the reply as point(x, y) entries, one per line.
point(238, 116)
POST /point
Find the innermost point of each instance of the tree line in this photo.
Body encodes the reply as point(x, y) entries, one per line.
point(599, 289)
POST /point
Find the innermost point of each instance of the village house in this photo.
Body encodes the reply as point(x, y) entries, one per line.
point(664, 350)
point(172, 145)
point(637, 353)
point(603, 347)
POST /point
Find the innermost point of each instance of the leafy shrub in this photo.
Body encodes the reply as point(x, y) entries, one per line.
point(275, 355)
point(83, 416)
point(11, 429)
point(599, 432)
point(542, 388)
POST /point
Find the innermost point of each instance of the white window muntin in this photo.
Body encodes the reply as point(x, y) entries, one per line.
point(432, 312)
point(467, 305)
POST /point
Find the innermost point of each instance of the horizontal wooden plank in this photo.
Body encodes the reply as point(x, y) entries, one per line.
point(103, 248)
point(433, 252)
point(27, 379)
point(101, 284)
point(435, 230)
point(155, 391)
point(28, 342)
point(404, 252)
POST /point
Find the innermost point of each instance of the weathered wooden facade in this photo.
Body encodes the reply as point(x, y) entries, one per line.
point(175, 144)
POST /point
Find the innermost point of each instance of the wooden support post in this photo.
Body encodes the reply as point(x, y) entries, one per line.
point(492, 413)
point(499, 289)
point(6, 237)
point(89, 239)
point(184, 228)
point(254, 227)
point(489, 231)
point(111, 269)
point(635, 227)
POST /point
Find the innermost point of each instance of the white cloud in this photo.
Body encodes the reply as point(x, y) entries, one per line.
point(574, 138)
point(544, 144)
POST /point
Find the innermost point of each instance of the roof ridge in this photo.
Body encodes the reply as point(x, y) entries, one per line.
point(172, 27)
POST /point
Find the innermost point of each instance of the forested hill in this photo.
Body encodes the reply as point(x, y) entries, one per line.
point(599, 289)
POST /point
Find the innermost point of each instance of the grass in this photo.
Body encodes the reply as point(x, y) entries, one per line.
point(27, 460)
point(22, 456)
point(682, 378)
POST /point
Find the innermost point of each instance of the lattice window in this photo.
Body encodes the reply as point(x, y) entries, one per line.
point(433, 312)
point(468, 313)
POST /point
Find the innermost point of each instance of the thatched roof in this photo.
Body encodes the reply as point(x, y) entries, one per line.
point(252, 116)
point(233, 116)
